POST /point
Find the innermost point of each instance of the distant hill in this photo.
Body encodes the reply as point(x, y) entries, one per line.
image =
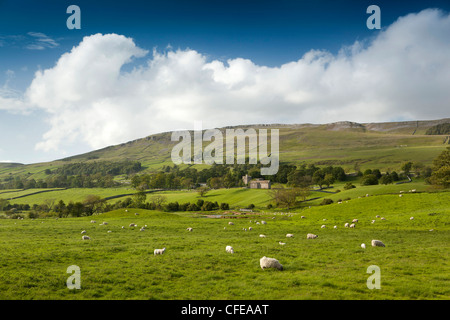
point(348, 144)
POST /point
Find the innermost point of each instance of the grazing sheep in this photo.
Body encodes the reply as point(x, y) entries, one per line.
point(263, 222)
point(400, 195)
point(335, 227)
point(83, 232)
point(289, 235)
point(412, 218)
point(373, 221)
point(377, 216)
point(355, 220)
point(377, 243)
point(142, 229)
point(93, 221)
point(311, 236)
point(352, 225)
point(109, 231)
point(303, 217)
point(133, 225)
point(229, 249)
point(231, 223)
point(324, 219)
point(189, 229)
point(257, 222)
point(346, 224)
point(382, 218)
point(262, 235)
point(323, 226)
point(282, 243)
point(104, 223)
point(363, 245)
point(266, 262)
point(159, 251)
point(123, 227)
point(250, 228)
point(136, 214)
point(85, 238)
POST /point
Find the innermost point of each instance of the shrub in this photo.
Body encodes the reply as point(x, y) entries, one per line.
point(326, 201)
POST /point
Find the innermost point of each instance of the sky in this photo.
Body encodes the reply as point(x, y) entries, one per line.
point(137, 68)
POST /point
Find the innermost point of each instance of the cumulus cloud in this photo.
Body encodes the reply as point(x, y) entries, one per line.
point(401, 74)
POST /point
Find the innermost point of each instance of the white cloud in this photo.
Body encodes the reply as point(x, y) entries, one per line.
point(402, 74)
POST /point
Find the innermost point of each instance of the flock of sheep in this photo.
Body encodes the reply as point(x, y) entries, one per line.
point(265, 262)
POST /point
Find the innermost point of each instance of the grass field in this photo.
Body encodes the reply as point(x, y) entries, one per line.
point(121, 265)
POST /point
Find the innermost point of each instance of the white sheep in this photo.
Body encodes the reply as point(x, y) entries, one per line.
point(189, 229)
point(382, 218)
point(363, 245)
point(136, 214)
point(159, 251)
point(133, 225)
point(412, 218)
point(335, 227)
point(250, 228)
point(262, 235)
point(109, 231)
point(311, 236)
point(377, 243)
point(373, 221)
point(229, 249)
point(400, 195)
point(303, 217)
point(289, 235)
point(377, 216)
point(93, 221)
point(323, 226)
point(346, 224)
point(352, 225)
point(142, 229)
point(263, 222)
point(83, 232)
point(355, 220)
point(230, 223)
point(266, 262)
point(282, 243)
point(85, 238)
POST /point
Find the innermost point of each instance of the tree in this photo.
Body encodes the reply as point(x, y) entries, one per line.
point(369, 179)
point(93, 204)
point(386, 179)
point(440, 175)
point(158, 201)
point(406, 167)
point(284, 197)
point(202, 191)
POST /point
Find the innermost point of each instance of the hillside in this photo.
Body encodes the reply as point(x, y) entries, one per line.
point(367, 145)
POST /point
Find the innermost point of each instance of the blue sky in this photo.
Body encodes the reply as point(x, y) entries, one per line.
point(34, 36)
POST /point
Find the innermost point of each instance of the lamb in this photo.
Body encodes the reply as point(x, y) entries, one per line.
point(289, 235)
point(85, 238)
point(266, 262)
point(189, 229)
point(377, 243)
point(229, 249)
point(311, 236)
point(159, 251)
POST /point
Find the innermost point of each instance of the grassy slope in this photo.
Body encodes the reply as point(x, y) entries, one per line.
point(121, 265)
